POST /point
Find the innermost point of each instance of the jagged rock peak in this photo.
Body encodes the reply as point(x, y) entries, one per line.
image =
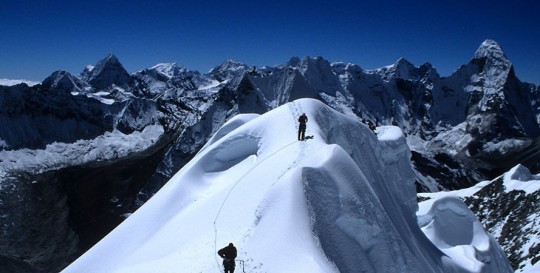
point(228, 70)
point(495, 67)
point(401, 69)
point(109, 61)
point(294, 62)
point(107, 71)
point(428, 71)
point(315, 61)
point(63, 80)
point(491, 50)
point(307, 61)
point(339, 67)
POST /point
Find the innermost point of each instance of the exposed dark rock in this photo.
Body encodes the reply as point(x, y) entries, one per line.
point(505, 214)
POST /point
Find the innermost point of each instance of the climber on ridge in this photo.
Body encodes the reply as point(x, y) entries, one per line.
point(303, 119)
point(228, 254)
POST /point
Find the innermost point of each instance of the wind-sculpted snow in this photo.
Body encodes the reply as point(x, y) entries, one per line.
point(230, 153)
point(507, 207)
point(343, 201)
point(230, 126)
point(458, 233)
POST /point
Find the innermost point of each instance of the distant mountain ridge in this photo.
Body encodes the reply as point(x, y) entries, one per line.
point(470, 126)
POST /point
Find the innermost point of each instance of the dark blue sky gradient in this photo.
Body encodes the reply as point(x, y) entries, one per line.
point(40, 37)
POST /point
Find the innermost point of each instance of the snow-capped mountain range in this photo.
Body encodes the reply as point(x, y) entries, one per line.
point(98, 145)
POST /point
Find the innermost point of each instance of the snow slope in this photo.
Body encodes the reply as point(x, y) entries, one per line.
point(343, 201)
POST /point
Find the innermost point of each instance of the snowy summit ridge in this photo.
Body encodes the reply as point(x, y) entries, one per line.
point(343, 201)
point(490, 49)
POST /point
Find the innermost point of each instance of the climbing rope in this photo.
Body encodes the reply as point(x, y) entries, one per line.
point(294, 110)
point(232, 189)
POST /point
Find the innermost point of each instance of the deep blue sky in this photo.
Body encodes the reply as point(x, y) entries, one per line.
point(39, 37)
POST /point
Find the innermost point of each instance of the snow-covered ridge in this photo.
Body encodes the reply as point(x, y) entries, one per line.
point(11, 82)
point(111, 145)
point(342, 201)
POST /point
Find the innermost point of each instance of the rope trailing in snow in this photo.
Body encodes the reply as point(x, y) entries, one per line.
point(231, 190)
point(294, 108)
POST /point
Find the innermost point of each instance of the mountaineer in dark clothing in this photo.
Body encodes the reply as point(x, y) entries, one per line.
point(228, 254)
point(302, 128)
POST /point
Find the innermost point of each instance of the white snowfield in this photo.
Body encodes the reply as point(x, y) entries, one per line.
point(343, 201)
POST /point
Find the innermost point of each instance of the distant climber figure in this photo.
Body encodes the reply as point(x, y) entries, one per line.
point(228, 254)
point(371, 125)
point(302, 128)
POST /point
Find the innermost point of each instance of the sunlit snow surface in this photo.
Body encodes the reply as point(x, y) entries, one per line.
point(111, 145)
point(10, 82)
point(343, 201)
point(443, 212)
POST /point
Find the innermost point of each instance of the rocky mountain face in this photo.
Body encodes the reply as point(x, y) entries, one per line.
point(508, 207)
point(506, 213)
point(467, 127)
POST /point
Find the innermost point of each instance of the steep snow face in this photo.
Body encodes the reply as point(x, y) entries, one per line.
point(341, 201)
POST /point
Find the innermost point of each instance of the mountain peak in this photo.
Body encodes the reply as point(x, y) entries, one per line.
point(490, 49)
point(109, 60)
point(401, 69)
point(402, 61)
point(232, 65)
point(107, 71)
point(169, 70)
point(403, 65)
point(64, 81)
point(294, 62)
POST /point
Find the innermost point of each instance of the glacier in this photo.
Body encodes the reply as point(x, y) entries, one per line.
point(344, 201)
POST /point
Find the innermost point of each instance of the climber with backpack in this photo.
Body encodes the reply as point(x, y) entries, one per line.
point(303, 119)
point(228, 254)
